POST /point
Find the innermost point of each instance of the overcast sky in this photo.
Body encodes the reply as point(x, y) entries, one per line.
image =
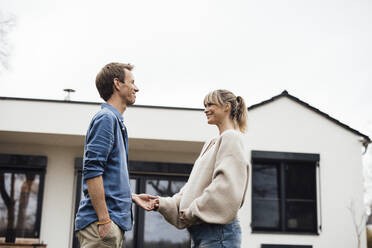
point(318, 50)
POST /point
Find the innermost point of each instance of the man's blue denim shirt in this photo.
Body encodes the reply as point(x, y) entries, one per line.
point(106, 155)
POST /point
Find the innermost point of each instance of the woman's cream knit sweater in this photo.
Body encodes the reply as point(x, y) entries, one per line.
point(216, 187)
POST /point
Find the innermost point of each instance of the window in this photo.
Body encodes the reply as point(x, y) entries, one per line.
point(164, 179)
point(169, 236)
point(284, 192)
point(21, 190)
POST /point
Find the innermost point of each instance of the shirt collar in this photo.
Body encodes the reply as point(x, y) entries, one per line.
point(114, 110)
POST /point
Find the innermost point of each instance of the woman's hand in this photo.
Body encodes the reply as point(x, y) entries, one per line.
point(183, 218)
point(145, 201)
point(156, 204)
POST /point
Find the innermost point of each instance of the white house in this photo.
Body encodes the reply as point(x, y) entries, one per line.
point(306, 172)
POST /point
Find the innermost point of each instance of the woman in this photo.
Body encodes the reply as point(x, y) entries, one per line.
point(209, 202)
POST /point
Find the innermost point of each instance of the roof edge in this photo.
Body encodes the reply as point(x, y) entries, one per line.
point(283, 94)
point(94, 103)
point(286, 94)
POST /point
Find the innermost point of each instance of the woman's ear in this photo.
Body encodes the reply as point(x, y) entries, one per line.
point(227, 107)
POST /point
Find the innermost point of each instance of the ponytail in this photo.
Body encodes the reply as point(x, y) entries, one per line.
point(241, 114)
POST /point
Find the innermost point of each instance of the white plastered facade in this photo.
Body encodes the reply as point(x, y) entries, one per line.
point(56, 130)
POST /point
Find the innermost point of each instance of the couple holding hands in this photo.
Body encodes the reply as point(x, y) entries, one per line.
point(208, 203)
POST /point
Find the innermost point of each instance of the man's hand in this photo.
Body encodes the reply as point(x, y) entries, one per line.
point(145, 201)
point(97, 196)
point(104, 229)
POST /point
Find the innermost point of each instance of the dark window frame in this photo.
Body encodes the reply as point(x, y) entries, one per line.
point(139, 227)
point(282, 158)
point(78, 181)
point(15, 163)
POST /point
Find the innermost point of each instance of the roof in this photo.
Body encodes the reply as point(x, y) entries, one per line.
point(285, 93)
point(93, 103)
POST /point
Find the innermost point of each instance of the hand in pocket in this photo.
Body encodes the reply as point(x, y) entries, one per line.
point(104, 229)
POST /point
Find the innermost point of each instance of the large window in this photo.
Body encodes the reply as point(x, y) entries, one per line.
point(150, 230)
point(284, 192)
point(157, 233)
point(21, 190)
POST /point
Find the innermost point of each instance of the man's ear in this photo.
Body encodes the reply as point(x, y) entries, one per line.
point(116, 84)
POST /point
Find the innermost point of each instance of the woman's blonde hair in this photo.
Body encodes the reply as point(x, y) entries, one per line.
point(238, 112)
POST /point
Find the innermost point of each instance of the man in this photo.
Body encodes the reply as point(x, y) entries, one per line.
point(105, 211)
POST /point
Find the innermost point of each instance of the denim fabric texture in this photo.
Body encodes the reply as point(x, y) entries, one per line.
point(216, 235)
point(106, 155)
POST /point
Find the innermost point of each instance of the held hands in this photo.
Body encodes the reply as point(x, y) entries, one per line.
point(145, 201)
point(151, 203)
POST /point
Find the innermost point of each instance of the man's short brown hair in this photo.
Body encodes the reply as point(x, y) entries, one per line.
point(105, 78)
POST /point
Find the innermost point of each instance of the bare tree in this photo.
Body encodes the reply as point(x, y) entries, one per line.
point(23, 203)
point(6, 24)
point(359, 222)
point(163, 190)
point(10, 205)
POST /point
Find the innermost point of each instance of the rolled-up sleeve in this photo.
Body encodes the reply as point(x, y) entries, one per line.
point(99, 143)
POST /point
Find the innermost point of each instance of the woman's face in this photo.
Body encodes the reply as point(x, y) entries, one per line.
point(215, 113)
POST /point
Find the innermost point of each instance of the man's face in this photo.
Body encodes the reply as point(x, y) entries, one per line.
point(128, 89)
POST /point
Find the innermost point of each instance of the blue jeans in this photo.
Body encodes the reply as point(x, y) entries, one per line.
point(215, 235)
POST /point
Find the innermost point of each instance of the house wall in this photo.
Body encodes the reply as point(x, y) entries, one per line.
point(142, 122)
point(172, 135)
point(287, 127)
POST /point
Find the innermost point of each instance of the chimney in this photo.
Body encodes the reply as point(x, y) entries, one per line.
point(68, 96)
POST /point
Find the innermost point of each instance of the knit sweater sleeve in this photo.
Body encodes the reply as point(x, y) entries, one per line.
point(221, 200)
point(169, 208)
